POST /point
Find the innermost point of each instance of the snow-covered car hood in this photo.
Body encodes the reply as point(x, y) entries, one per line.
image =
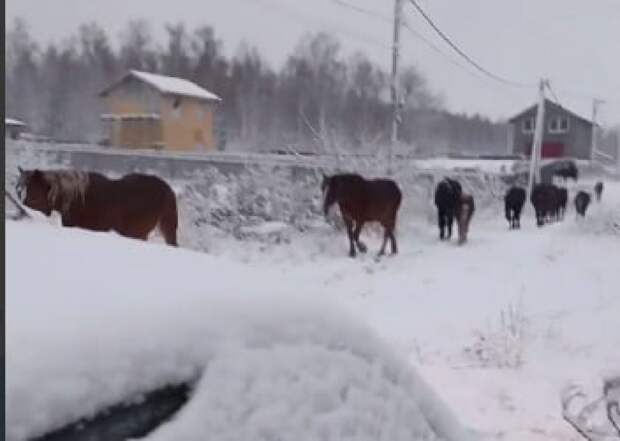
point(94, 320)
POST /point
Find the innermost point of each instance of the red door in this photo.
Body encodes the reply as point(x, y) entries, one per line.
point(549, 150)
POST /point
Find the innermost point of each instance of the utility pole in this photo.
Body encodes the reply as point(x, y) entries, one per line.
point(594, 145)
point(398, 9)
point(538, 138)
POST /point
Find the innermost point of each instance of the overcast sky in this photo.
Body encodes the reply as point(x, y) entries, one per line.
point(575, 43)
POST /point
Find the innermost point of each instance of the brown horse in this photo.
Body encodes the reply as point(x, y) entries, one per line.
point(362, 201)
point(132, 206)
point(464, 212)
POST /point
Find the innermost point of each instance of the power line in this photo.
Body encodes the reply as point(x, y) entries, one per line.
point(408, 27)
point(430, 21)
point(555, 97)
point(434, 47)
point(364, 11)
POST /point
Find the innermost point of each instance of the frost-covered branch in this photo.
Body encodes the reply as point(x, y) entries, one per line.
point(611, 389)
point(581, 419)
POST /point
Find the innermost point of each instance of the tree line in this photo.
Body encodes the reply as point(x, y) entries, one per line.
point(320, 98)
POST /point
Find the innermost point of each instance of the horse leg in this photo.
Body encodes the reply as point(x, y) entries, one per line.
point(449, 222)
point(389, 225)
point(349, 224)
point(393, 242)
point(168, 221)
point(463, 224)
point(385, 239)
point(356, 235)
point(540, 218)
point(441, 224)
point(170, 235)
point(390, 231)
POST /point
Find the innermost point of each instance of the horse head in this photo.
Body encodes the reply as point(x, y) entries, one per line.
point(329, 192)
point(33, 189)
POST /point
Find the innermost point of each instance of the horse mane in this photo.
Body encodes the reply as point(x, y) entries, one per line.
point(66, 186)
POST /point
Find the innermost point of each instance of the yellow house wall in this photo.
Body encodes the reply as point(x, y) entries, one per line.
point(188, 126)
point(133, 133)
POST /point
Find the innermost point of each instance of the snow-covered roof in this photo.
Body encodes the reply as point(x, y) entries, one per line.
point(13, 122)
point(106, 116)
point(169, 85)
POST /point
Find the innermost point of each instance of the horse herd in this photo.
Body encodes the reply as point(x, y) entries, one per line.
point(136, 204)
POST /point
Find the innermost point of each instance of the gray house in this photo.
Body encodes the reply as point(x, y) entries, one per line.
point(566, 134)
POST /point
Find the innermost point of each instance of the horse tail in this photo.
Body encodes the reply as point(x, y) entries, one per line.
point(507, 210)
point(169, 218)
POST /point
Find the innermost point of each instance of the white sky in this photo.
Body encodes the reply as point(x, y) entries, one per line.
point(575, 43)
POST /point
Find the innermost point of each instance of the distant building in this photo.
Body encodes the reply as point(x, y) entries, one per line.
point(13, 128)
point(146, 110)
point(565, 134)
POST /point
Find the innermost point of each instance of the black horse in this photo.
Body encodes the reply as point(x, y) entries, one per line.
point(562, 200)
point(567, 170)
point(513, 204)
point(582, 200)
point(598, 191)
point(447, 199)
point(544, 198)
point(360, 201)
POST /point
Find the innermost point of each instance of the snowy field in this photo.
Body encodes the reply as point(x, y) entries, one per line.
point(497, 327)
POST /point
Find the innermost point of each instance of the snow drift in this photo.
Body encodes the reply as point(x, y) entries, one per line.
point(94, 320)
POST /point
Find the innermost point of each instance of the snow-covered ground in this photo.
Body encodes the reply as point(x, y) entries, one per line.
point(497, 327)
point(500, 326)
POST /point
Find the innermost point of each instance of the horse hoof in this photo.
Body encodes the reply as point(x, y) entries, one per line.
point(362, 248)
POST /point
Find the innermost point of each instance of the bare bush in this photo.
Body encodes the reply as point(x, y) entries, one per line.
point(501, 344)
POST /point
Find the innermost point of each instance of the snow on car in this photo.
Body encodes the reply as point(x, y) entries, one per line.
point(95, 320)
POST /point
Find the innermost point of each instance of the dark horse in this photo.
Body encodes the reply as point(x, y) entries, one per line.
point(132, 206)
point(598, 190)
point(582, 200)
point(447, 199)
point(360, 201)
point(544, 198)
point(513, 204)
point(567, 170)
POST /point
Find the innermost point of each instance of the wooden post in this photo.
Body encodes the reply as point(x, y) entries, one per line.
point(594, 144)
point(398, 7)
point(538, 139)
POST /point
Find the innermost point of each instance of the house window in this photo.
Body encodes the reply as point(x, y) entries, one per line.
point(558, 124)
point(176, 108)
point(528, 125)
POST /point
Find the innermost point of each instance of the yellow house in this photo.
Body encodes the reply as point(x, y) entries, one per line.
point(146, 110)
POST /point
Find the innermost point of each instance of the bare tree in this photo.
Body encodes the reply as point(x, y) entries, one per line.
point(137, 50)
